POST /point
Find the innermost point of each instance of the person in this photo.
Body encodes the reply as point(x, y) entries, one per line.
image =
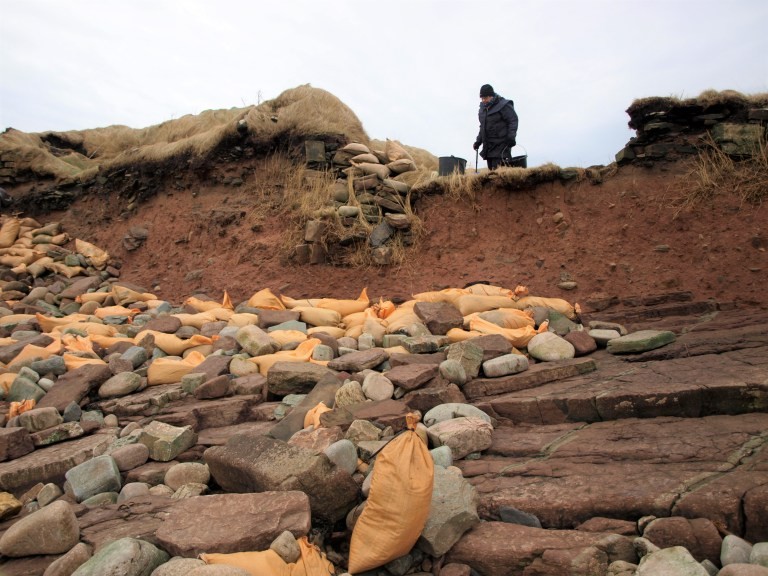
point(498, 128)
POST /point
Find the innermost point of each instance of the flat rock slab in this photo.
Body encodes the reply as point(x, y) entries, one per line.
point(641, 341)
point(260, 518)
point(536, 375)
point(500, 549)
point(51, 463)
point(148, 402)
point(629, 469)
point(214, 413)
point(220, 436)
point(731, 383)
point(139, 517)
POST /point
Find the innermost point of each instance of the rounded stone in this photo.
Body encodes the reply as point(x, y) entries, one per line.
point(343, 454)
point(376, 386)
point(120, 385)
point(52, 529)
point(186, 473)
point(549, 347)
point(132, 490)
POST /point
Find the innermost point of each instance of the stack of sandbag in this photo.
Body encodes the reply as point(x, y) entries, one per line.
point(369, 183)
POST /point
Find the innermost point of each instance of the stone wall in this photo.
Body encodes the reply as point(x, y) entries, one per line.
point(7, 168)
point(671, 129)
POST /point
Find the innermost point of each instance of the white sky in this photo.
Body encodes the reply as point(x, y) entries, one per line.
point(410, 70)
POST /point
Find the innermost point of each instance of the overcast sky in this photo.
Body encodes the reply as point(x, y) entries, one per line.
point(410, 69)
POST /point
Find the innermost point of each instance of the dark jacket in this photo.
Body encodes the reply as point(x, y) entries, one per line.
point(498, 127)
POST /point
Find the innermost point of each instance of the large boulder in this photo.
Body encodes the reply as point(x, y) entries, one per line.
point(50, 530)
point(253, 463)
point(286, 378)
point(94, 476)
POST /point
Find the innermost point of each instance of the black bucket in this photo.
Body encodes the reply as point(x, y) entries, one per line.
point(518, 162)
point(447, 165)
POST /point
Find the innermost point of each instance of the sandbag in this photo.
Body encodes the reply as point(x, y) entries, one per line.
point(398, 502)
point(73, 361)
point(448, 295)
point(312, 562)
point(123, 295)
point(284, 337)
point(302, 353)
point(89, 328)
point(9, 231)
point(97, 256)
point(357, 148)
point(318, 316)
point(342, 306)
point(6, 379)
point(14, 257)
point(99, 297)
point(265, 299)
point(504, 317)
point(518, 337)
point(171, 370)
point(375, 326)
point(241, 319)
point(64, 270)
point(489, 290)
point(40, 266)
point(370, 168)
point(49, 323)
point(17, 408)
point(396, 151)
point(334, 331)
point(173, 345)
point(206, 305)
point(105, 311)
point(401, 166)
point(312, 417)
point(556, 304)
point(470, 303)
point(360, 158)
point(197, 320)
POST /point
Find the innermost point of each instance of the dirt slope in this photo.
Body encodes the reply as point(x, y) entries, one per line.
point(620, 238)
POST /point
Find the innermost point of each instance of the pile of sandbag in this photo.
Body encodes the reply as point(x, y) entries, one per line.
point(28, 247)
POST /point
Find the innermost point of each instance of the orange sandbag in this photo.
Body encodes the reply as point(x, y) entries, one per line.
point(47, 323)
point(318, 316)
point(74, 343)
point(504, 317)
point(265, 299)
point(459, 335)
point(343, 307)
point(97, 256)
point(398, 502)
point(205, 305)
point(17, 408)
point(123, 295)
point(30, 352)
point(264, 563)
point(172, 344)
point(518, 337)
point(312, 417)
point(73, 362)
point(284, 337)
point(312, 562)
point(90, 328)
point(556, 304)
point(302, 353)
point(448, 295)
point(489, 290)
point(470, 303)
point(9, 231)
point(6, 379)
point(172, 370)
point(105, 311)
point(335, 331)
point(99, 297)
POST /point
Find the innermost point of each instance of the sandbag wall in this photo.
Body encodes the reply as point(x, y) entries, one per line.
point(368, 190)
point(670, 129)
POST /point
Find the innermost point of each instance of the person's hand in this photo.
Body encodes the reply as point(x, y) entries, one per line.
point(476, 145)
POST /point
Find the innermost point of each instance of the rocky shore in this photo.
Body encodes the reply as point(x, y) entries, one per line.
point(145, 436)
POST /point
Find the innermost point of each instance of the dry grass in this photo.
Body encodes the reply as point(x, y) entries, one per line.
point(706, 99)
point(714, 173)
point(79, 154)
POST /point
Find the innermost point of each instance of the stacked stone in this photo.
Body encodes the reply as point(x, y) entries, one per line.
point(367, 189)
point(671, 129)
point(7, 167)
